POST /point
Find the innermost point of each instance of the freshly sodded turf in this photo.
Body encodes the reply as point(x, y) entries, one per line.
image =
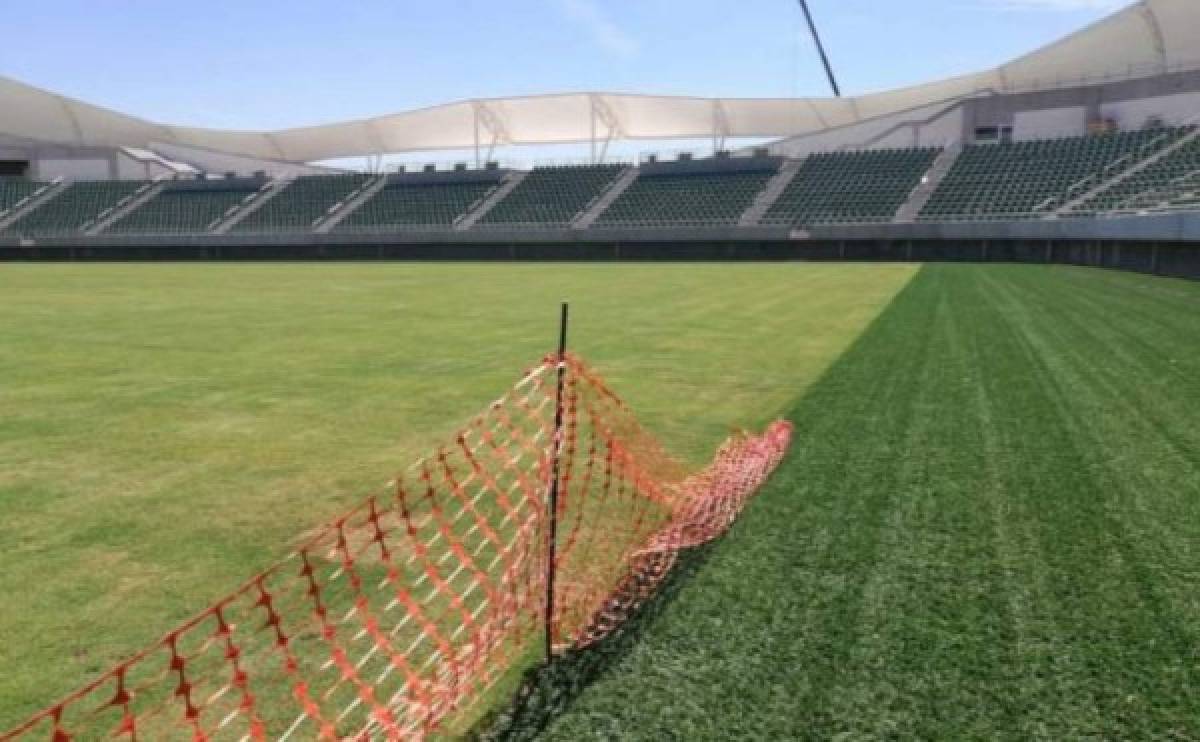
point(989, 529)
point(166, 430)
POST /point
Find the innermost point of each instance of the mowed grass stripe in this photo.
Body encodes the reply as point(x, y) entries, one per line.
point(988, 529)
point(166, 430)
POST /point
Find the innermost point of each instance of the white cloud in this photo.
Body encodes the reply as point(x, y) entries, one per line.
point(606, 33)
point(1057, 5)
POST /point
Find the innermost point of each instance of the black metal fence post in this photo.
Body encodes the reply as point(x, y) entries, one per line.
point(552, 537)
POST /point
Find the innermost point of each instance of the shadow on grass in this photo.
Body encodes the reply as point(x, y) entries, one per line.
point(549, 690)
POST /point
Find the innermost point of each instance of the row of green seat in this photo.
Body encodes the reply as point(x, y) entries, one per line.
point(986, 182)
point(302, 203)
point(80, 205)
point(685, 200)
point(13, 191)
point(1176, 174)
point(185, 211)
point(851, 187)
point(553, 196)
point(1014, 179)
point(407, 205)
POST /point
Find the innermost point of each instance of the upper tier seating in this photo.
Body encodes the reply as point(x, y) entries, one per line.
point(553, 196)
point(76, 207)
point(1166, 183)
point(686, 199)
point(187, 207)
point(411, 204)
point(15, 190)
point(851, 187)
point(301, 203)
point(1013, 179)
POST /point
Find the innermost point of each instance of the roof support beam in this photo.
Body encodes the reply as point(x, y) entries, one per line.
point(721, 128)
point(601, 113)
point(1156, 33)
point(486, 120)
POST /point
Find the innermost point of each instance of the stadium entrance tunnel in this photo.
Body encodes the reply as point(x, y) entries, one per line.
point(14, 168)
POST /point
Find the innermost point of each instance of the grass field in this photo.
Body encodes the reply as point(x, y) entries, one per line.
point(167, 430)
point(989, 529)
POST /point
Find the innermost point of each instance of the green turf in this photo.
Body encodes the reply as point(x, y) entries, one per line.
point(167, 429)
point(989, 529)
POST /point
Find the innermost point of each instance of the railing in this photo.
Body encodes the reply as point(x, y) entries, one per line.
point(1113, 169)
point(1131, 72)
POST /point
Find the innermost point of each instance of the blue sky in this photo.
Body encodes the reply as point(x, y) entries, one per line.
point(269, 63)
point(277, 63)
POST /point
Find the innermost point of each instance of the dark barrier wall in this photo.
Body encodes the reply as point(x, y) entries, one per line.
point(1166, 244)
point(1181, 259)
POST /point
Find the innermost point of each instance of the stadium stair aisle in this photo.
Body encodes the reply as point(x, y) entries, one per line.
point(987, 530)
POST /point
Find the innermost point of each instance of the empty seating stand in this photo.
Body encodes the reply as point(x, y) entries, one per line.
point(422, 201)
point(690, 194)
point(302, 203)
point(13, 191)
point(552, 196)
point(1020, 179)
point(77, 207)
point(1165, 184)
point(851, 187)
point(187, 207)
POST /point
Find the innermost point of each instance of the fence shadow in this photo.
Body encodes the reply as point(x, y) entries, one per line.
point(549, 690)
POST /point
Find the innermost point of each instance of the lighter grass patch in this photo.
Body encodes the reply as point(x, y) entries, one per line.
point(166, 430)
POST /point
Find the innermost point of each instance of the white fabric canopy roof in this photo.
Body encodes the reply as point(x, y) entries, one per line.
point(1150, 37)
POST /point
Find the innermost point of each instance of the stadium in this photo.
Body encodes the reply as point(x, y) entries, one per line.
point(869, 416)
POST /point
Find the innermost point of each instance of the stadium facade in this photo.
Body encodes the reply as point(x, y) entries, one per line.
point(1102, 123)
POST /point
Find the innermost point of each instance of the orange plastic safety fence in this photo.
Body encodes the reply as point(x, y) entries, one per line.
point(403, 612)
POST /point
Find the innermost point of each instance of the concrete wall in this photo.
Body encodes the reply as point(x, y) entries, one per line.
point(129, 168)
point(81, 168)
point(943, 130)
point(929, 126)
point(217, 162)
point(1178, 228)
point(1175, 98)
point(1049, 123)
point(1174, 110)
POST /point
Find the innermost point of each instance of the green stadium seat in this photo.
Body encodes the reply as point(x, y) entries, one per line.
point(301, 203)
point(409, 204)
point(851, 187)
point(552, 196)
point(14, 191)
point(1035, 178)
point(1165, 184)
point(686, 199)
point(188, 207)
point(77, 207)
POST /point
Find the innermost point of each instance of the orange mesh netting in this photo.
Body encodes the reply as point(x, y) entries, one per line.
point(394, 619)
